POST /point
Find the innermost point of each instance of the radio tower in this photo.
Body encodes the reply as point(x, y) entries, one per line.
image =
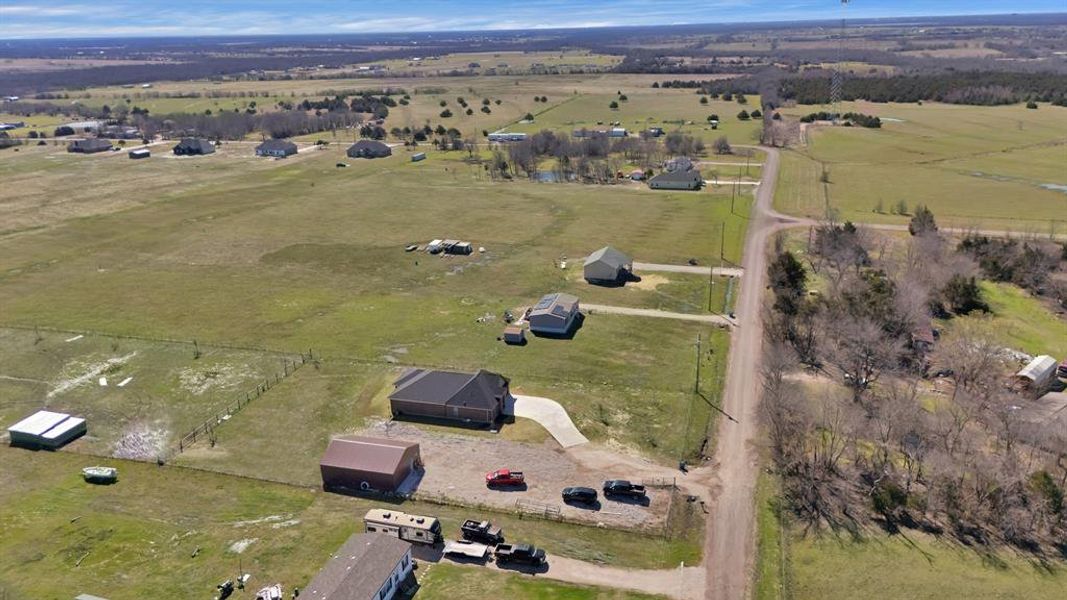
point(837, 81)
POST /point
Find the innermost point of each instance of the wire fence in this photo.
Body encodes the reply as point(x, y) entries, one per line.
point(207, 428)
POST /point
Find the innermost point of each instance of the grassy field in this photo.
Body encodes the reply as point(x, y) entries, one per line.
point(771, 567)
point(671, 109)
point(445, 582)
point(171, 389)
point(1022, 322)
point(973, 166)
point(173, 531)
point(913, 568)
point(297, 254)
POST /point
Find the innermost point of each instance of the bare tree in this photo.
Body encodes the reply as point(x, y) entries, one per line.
point(859, 349)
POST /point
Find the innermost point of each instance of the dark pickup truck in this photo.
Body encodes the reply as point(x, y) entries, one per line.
point(621, 487)
point(519, 553)
point(481, 531)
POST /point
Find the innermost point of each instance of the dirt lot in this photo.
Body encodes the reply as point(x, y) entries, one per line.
point(456, 466)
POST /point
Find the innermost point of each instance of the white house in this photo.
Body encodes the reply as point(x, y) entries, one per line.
point(369, 566)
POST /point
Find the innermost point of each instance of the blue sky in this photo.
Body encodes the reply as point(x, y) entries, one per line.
point(87, 18)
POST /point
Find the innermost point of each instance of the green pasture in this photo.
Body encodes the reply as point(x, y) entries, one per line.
point(973, 166)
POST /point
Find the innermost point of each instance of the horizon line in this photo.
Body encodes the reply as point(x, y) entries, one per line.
point(431, 32)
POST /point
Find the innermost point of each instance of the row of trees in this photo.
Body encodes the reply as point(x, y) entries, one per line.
point(596, 158)
point(963, 464)
point(976, 87)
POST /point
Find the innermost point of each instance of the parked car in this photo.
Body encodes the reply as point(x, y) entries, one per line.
point(519, 553)
point(481, 531)
point(621, 487)
point(503, 477)
point(579, 494)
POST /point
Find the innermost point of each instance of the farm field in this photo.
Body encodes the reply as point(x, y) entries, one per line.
point(134, 538)
point(989, 167)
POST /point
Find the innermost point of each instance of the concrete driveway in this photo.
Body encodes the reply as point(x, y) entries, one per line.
point(696, 270)
point(549, 414)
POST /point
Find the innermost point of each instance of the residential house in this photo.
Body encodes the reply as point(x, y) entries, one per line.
point(680, 163)
point(276, 148)
point(473, 398)
point(89, 146)
point(191, 146)
point(369, 149)
point(677, 180)
point(554, 314)
point(369, 566)
point(607, 266)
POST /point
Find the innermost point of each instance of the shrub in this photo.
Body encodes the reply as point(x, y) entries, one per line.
point(446, 113)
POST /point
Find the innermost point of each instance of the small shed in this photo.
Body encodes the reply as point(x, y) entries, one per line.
point(554, 314)
point(193, 147)
point(46, 429)
point(369, 149)
point(515, 335)
point(418, 156)
point(1038, 373)
point(366, 463)
point(276, 148)
point(459, 248)
point(139, 153)
point(607, 265)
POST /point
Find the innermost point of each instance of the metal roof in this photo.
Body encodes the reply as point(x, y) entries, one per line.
point(609, 256)
point(1038, 368)
point(375, 455)
point(63, 427)
point(39, 422)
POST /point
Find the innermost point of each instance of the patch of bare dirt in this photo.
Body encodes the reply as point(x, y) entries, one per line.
point(141, 441)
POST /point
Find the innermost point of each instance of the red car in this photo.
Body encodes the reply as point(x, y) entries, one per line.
point(504, 477)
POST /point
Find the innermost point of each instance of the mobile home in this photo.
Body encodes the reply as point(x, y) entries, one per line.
point(411, 528)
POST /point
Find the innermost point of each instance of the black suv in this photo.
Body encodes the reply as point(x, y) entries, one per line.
point(579, 494)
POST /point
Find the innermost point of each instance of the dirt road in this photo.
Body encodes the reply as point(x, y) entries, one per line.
point(730, 538)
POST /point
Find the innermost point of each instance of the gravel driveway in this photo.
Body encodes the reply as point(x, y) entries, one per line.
point(456, 465)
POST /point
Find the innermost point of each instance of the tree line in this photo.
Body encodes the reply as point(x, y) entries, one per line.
point(889, 453)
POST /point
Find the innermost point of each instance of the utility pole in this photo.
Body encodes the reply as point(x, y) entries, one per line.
point(696, 385)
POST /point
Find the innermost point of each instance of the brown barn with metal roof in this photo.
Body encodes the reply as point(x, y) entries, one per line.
point(476, 398)
point(365, 463)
